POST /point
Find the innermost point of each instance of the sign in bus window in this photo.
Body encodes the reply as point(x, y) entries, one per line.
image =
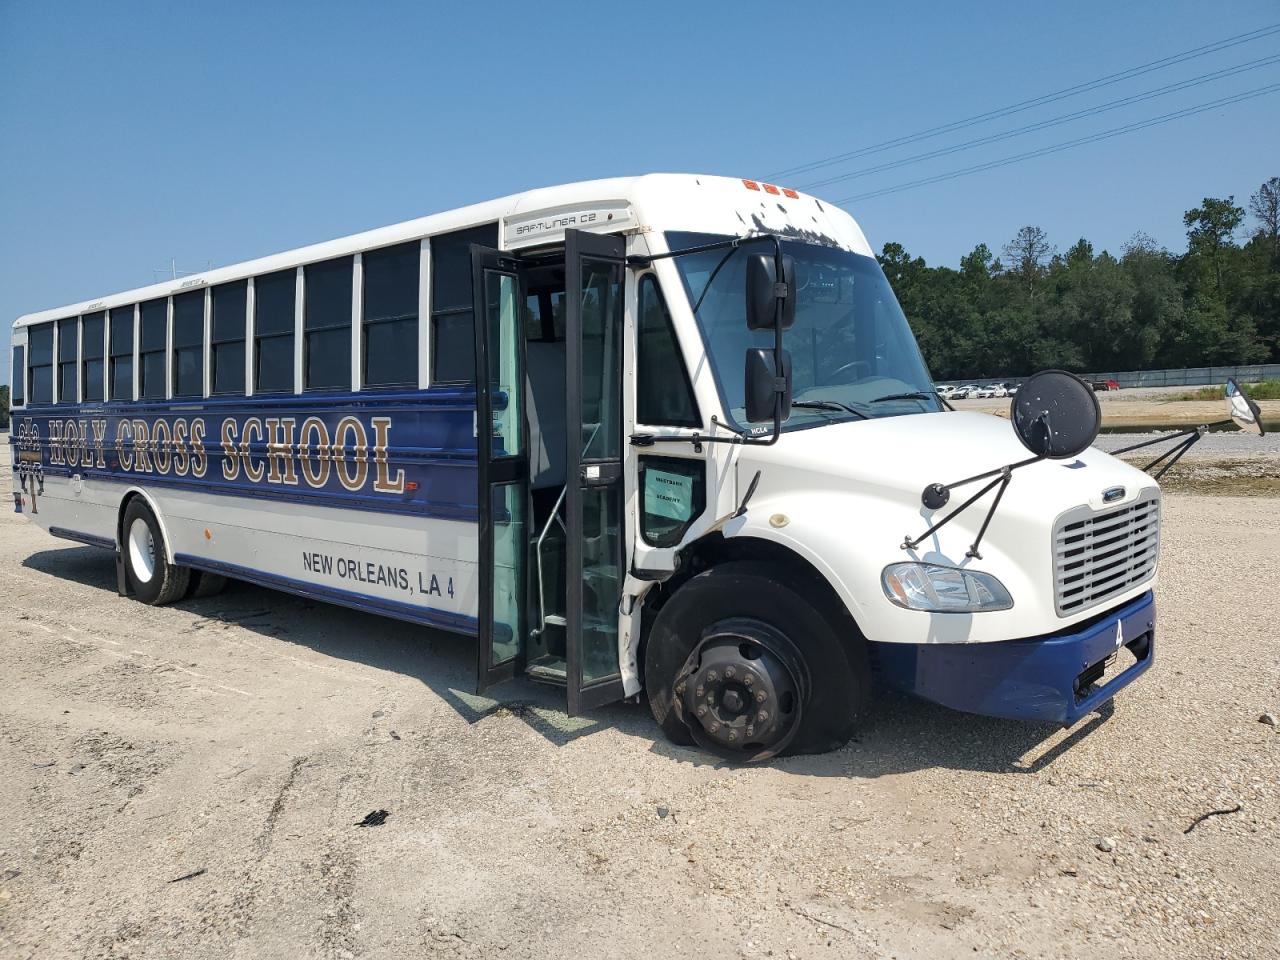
point(673, 495)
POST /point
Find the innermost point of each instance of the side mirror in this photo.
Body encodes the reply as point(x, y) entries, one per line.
point(1055, 415)
point(762, 384)
point(762, 292)
point(1246, 413)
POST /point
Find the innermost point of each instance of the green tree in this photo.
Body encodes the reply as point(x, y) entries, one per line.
point(1210, 228)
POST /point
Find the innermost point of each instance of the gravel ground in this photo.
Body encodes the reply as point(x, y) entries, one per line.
point(185, 782)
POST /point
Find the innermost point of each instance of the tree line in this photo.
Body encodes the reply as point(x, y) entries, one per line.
point(1147, 308)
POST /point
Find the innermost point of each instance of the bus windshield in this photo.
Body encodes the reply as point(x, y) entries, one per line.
point(850, 346)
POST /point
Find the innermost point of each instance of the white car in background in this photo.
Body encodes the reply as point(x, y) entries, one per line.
point(996, 390)
point(965, 392)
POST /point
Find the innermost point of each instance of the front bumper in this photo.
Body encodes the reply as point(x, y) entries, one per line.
point(1042, 678)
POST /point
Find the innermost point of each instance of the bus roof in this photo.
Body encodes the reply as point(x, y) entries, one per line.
point(660, 201)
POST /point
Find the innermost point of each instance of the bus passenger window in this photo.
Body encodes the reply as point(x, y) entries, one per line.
point(188, 344)
point(93, 343)
point(151, 346)
point(121, 373)
point(68, 359)
point(40, 358)
point(18, 374)
point(661, 397)
point(226, 337)
point(273, 298)
point(326, 363)
point(453, 343)
point(391, 316)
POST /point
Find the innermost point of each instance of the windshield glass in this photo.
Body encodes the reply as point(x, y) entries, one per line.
point(850, 344)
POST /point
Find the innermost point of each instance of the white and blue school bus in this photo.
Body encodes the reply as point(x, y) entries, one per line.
point(662, 434)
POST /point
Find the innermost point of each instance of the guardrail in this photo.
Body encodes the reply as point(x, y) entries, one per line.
point(1179, 377)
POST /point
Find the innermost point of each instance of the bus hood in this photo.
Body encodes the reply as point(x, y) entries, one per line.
point(895, 458)
point(846, 496)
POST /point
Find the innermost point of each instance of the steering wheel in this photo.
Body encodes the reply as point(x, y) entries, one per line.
point(864, 371)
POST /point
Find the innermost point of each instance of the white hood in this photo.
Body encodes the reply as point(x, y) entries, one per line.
point(846, 495)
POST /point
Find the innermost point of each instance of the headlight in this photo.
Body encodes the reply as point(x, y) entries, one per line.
point(927, 586)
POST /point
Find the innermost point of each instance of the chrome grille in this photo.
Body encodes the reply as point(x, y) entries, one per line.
point(1098, 555)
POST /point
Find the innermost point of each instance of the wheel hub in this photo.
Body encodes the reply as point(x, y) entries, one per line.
point(740, 693)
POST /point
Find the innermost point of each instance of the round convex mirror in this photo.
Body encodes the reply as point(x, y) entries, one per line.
point(1244, 411)
point(1055, 415)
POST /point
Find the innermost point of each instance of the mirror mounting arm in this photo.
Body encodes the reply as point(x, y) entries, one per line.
point(937, 495)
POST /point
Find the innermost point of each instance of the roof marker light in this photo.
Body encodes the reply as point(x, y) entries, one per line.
point(751, 184)
point(770, 188)
point(788, 192)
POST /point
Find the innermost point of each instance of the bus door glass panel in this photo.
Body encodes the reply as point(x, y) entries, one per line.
point(595, 272)
point(503, 465)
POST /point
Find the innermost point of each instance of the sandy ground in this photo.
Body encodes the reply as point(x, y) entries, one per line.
point(185, 782)
point(1142, 409)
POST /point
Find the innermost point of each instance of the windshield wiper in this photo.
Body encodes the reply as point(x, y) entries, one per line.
point(830, 405)
point(915, 395)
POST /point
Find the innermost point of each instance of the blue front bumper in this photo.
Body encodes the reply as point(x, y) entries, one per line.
point(1041, 678)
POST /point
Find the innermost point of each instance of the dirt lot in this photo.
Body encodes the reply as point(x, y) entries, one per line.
point(184, 782)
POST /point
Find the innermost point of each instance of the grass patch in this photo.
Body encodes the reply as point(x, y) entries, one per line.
point(1266, 390)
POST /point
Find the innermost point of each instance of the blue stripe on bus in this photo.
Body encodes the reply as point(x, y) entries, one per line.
point(430, 439)
point(91, 539)
point(426, 616)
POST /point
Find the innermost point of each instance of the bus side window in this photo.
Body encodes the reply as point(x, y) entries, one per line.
point(326, 348)
point(40, 358)
point(273, 299)
point(93, 336)
point(390, 332)
point(188, 344)
point(453, 342)
point(18, 374)
point(661, 397)
point(151, 346)
point(120, 375)
point(673, 493)
point(68, 359)
point(226, 336)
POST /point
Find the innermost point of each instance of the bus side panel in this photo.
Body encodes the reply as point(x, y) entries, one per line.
point(367, 500)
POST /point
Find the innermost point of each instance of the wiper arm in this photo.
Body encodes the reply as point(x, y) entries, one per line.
point(830, 405)
point(915, 395)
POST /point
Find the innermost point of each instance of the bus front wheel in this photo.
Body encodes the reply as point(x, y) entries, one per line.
point(151, 578)
point(742, 663)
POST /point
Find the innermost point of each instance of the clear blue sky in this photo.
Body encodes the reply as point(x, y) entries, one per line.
point(136, 133)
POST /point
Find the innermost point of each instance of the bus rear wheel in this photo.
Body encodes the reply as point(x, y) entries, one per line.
point(743, 664)
point(150, 576)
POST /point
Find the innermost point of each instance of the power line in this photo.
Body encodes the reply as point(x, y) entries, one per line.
point(1052, 122)
point(1062, 94)
point(1067, 145)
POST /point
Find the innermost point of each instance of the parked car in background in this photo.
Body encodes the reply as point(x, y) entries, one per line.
point(946, 391)
point(1100, 385)
point(1010, 387)
point(965, 392)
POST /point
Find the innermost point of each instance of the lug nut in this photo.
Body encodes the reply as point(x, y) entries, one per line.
point(760, 696)
point(702, 711)
point(715, 727)
point(751, 731)
point(700, 691)
point(712, 676)
point(748, 679)
point(680, 687)
point(729, 673)
point(762, 716)
point(732, 735)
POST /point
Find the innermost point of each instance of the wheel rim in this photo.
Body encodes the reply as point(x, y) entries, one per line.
point(142, 551)
point(741, 690)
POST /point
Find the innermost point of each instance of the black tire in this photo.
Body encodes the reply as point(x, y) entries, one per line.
point(832, 652)
point(205, 584)
point(166, 581)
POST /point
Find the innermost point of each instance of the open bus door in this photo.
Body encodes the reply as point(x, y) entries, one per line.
point(503, 463)
point(595, 275)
